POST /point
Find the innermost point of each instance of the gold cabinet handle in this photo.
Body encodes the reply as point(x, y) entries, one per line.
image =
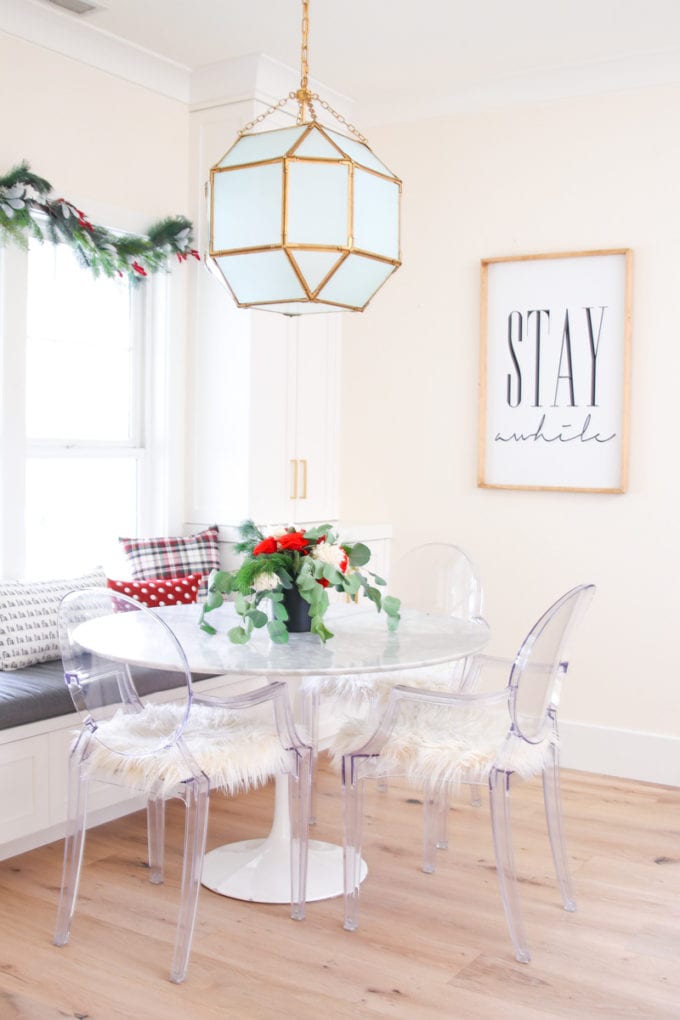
point(294, 479)
point(304, 479)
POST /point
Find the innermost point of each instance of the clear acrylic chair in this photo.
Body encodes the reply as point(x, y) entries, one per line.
point(436, 577)
point(185, 747)
point(437, 740)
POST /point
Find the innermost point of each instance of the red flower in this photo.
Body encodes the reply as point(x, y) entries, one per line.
point(293, 540)
point(323, 582)
point(267, 545)
point(139, 269)
point(196, 254)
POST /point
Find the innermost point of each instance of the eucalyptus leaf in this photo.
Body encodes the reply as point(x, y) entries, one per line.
point(277, 632)
point(359, 554)
point(257, 617)
point(391, 605)
point(374, 595)
point(221, 581)
point(315, 533)
point(318, 627)
point(238, 635)
point(208, 628)
point(213, 601)
point(240, 604)
point(280, 611)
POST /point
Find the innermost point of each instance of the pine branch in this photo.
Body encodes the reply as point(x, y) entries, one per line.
point(24, 196)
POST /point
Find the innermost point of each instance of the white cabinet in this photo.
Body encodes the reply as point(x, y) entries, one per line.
point(304, 441)
point(265, 416)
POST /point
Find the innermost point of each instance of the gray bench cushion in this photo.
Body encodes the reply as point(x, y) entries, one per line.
point(39, 692)
point(33, 693)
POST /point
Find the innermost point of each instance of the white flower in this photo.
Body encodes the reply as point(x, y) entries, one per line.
point(266, 581)
point(273, 532)
point(333, 554)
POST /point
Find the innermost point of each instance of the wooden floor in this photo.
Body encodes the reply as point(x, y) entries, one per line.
point(428, 946)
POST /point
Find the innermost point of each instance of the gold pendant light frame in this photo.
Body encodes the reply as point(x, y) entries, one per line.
point(336, 158)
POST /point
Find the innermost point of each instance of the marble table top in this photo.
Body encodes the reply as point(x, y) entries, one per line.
point(361, 643)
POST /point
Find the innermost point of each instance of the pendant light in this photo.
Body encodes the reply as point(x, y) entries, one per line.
point(303, 218)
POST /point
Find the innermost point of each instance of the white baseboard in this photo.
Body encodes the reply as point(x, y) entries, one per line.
point(629, 754)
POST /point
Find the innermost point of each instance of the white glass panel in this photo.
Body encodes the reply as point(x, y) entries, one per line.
point(315, 265)
point(79, 352)
point(263, 145)
point(317, 203)
point(376, 214)
point(262, 276)
point(356, 281)
point(359, 152)
point(316, 144)
point(76, 507)
point(247, 207)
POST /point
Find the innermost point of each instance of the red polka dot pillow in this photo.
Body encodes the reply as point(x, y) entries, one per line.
point(160, 591)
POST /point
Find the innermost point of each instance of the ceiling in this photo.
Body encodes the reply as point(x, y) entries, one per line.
point(387, 53)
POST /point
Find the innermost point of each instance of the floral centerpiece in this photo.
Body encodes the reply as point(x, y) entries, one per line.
point(292, 564)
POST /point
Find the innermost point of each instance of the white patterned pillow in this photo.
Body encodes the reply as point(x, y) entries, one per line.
point(28, 617)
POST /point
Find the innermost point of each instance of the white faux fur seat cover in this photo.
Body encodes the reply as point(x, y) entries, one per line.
point(357, 689)
point(234, 751)
point(435, 745)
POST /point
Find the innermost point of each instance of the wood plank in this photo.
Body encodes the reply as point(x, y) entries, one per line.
point(428, 946)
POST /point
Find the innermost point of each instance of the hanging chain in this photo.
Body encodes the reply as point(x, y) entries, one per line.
point(304, 97)
point(304, 52)
point(268, 112)
point(339, 117)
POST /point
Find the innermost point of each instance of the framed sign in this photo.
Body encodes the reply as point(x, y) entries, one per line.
point(554, 376)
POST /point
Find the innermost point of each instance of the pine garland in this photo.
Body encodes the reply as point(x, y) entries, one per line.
point(23, 194)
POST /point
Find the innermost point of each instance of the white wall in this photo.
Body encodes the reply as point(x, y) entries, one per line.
point(562, 176)
point(91, 134)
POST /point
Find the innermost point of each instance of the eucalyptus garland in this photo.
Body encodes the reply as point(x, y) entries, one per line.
point(23, 195)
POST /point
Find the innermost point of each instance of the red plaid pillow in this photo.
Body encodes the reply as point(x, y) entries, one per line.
point(173, 557)
point(160, 591)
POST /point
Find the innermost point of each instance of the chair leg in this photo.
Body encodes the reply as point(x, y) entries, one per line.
point(353, 801)
point(299, 792)
point(475, 795)
point(435, 824)
point(310, 719)
point(73, 848)
point(499, 788)
point(155, 827)
point(553, 814)
point(196, 799)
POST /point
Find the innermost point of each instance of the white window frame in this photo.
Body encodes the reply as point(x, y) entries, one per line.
point(156, 438)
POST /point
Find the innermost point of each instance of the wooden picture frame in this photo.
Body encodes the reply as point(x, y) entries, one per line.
point(555, 371)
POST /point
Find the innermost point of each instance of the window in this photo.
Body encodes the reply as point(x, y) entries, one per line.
point(76, 404)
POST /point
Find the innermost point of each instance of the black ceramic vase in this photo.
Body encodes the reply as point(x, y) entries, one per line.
point(299, 621)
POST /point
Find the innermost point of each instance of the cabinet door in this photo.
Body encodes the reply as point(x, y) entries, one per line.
point(270, 393)
point(314, 454)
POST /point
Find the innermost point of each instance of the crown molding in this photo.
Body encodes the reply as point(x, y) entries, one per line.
point(618, 74)
point(75, 37)
point(256, 76)
point(267, 80)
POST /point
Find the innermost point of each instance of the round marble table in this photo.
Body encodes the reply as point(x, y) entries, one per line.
point(258, 870)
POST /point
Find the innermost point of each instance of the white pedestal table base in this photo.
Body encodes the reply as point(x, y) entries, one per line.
point(258, 870)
